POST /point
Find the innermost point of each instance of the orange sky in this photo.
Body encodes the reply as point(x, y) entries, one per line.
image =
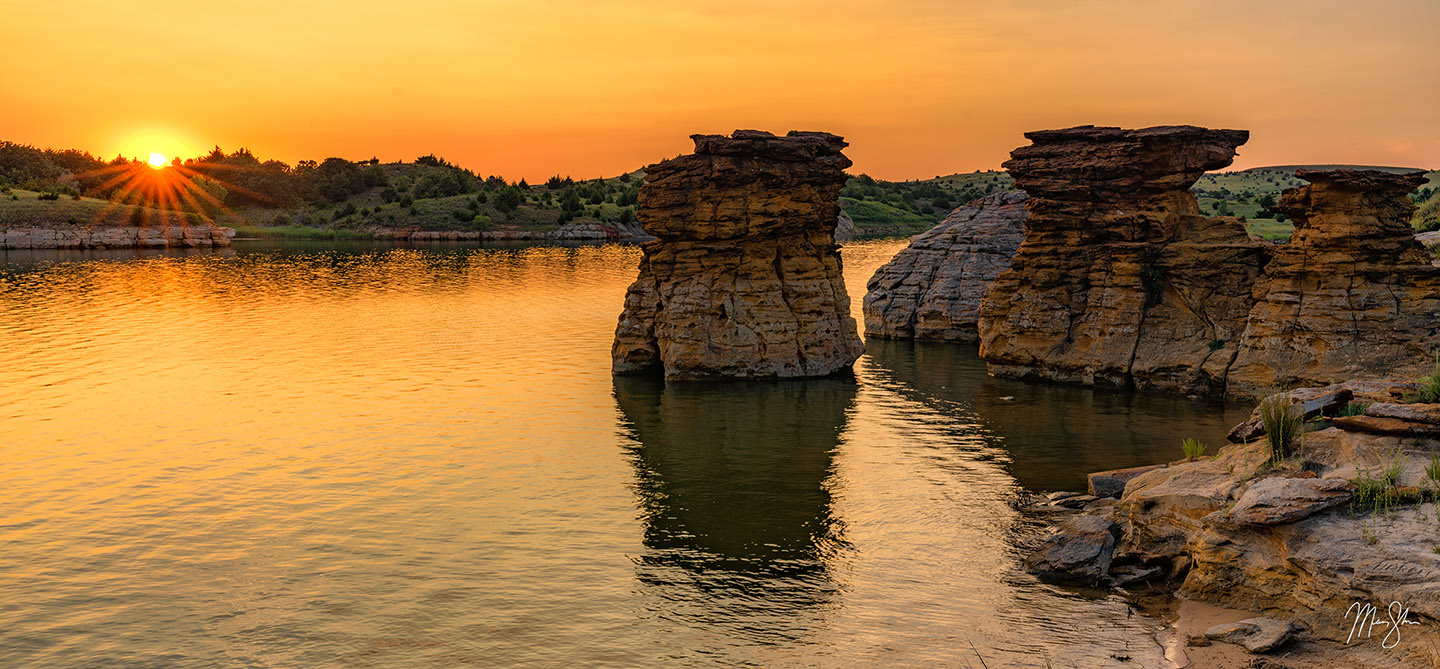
point(538, 87)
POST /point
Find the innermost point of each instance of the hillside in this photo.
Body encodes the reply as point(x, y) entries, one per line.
point(340, 198)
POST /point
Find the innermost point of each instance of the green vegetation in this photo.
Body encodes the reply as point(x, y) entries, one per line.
point(900, 208)
point(1429, 390)
point(1192, 448)
point(240, 189)
point(1354, 409)
point(1283, 421)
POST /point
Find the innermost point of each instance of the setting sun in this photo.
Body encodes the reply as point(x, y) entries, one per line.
point(157, 160)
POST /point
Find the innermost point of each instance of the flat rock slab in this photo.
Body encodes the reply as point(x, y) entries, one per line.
point(1076, 551)
point(1276, 501)
point(1414, 413)
point(1258, 635)
point(1312, 402)
point(1383, 425)
point(1112, 483)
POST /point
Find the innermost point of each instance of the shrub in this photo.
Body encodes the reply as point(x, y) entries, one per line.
point(1432, 470)
point(49, 195)
point(462, 215)
point(280, 220)
point(1192, 448)
point(1282, 419)
point(1429, 385)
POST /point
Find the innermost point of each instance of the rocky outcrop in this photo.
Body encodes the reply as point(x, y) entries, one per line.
point(115, 237)
point(1077, 551)
point(1120, 280)
point(932, 289)
point(744, 277)
point(1352, 294)
point(1350, 523)
point(844, 228)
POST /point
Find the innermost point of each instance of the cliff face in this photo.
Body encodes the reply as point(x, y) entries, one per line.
point(932, 289)
point(1119, 279)
point(1352, 294)
point(744, 279)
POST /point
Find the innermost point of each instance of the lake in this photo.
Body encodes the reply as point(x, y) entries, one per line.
point(301, 454)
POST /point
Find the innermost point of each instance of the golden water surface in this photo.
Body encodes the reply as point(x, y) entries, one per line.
point(307, 455)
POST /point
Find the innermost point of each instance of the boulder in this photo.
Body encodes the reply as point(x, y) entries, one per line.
point(1278, 500)
point(1077, 551)
point(1164, 507)
point(1111, 483)
point(1258, 635)
point(1120, 281)
point(1414, 413)
point(744, 278)
point(1383, 425)
point(1351, 294)
point(931, 290)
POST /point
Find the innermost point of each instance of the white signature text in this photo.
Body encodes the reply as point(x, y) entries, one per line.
point(1367, 618)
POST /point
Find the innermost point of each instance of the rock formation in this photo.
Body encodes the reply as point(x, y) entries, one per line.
point(1120, 281)
point(1348, 519)
point(114, 237)
point(932, 289)
point(744, 277)
point(1352, 294)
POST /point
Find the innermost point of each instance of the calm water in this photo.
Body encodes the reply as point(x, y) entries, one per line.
point(291, 455)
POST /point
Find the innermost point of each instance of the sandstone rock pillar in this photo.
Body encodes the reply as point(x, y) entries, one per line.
point(1119, 280)
point(1352, 295)
point(744, 279)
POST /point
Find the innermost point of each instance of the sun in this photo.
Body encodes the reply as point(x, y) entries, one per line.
point(157, 160)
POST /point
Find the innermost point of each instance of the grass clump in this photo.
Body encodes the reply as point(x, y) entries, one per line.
point(1282, 419)
point(1429, 391)
point(1193, 448)
point(1354, 409)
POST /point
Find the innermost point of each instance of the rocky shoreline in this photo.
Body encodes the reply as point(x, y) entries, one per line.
point(116, 237)
point(1347, 518)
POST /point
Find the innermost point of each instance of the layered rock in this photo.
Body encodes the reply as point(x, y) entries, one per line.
point(1352, 294)
point(932, 289)
point(112, 237)
point(1120, 280)
point(744, 277)
point(1308, 539)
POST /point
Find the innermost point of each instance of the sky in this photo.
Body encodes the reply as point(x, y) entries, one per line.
point(532, 88)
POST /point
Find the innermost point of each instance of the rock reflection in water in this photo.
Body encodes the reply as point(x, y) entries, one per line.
point(1053, 434)
point(732, 486)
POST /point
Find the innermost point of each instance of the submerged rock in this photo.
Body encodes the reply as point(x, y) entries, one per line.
point(1077, 551)
point(744, 279)
point(931, 290)
point(1111, 483)
point(1120, 281)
